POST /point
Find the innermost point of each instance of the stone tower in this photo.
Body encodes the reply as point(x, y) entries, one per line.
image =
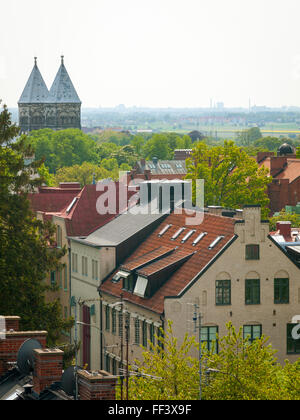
point(58, 109)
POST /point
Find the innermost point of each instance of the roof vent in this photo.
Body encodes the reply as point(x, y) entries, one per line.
point(199, 238)
point(187, 236)
point(165, 229)
point(178, 233)
point(215, 242)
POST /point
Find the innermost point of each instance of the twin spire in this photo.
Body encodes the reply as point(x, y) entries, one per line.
point(62, 90)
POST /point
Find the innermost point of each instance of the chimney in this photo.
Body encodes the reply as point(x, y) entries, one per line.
point(48, 368)
point(216, 210)
point(277, 164)
point(9, 347)
point(12, 323)
point(96, 386)
point(284, 228)
point(263, 155)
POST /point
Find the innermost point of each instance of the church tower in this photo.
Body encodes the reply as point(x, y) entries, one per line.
point(67, 103)
point(58, 109)
point(32, 104)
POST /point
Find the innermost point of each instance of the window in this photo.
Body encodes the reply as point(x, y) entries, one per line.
point(223, 292)
point(107, 318)
point(53, 278)
point(114, 367)
point(127, 326)
point(120, 324)
point(252, 294)
point(75, 263)
point(107, 363)
point(114, 321)
point(252, 252)
point(252, 332)
point(84, 266)
point(129, 283)
point(65, 278)
point(137, 331)
point(293, 346)
point(95, 275)
point(59, 237)
point(145, 338)
point(152, 334)
point(281, 291)
point(209, 337)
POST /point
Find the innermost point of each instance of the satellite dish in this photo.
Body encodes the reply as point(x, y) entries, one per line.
point(68, 381)
point(25, 360)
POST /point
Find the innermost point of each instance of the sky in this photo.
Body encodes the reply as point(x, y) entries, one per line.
point(156, 53)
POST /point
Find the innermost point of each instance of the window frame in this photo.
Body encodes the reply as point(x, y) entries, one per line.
point(252, 252)
point(210, 342)
point(221, 285)
point(278, 291)
point(252, 288)
point(252, 339)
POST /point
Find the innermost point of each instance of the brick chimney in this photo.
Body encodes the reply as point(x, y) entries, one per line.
point(9, 347)
point(12, 323)
point(278, 163)
point(96, 386)
point(285, 229)
point(263, 155)
point(48, 368)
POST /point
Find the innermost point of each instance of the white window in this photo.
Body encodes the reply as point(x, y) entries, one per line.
point(95, 273)
point(75, 263)
point(84, 266)
point(141, 286)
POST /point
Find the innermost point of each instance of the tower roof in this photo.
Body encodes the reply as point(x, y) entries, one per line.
point(62, 90)
point(35, 90)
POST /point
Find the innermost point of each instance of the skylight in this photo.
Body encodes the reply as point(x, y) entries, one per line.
point(199, 238)
point(215, 242)
point(72, 205)
point(165, 229)
point(178, 233)
point(187, 236)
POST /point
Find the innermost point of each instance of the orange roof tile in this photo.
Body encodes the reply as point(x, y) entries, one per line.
point(214, 226)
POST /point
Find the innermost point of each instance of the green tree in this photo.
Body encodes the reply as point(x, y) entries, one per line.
point(167, 372)
point(27, 252)
point(247, 137)
point(232, 178)
point(285, 217)
point(84, 174)
point(63, 148)
point(242, 370)
point(157, 146)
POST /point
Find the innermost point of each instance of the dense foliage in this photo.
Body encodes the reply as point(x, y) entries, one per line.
point(26, 247)
point(241, 370)
point(232, 178)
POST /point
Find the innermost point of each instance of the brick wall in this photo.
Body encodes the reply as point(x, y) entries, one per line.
point(10, 346)
point(48, 368)
point(96, 386)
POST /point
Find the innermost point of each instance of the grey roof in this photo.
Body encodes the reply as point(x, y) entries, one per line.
point(35, 90)
point(120, 229)
point(62, 90)
point(164, 167)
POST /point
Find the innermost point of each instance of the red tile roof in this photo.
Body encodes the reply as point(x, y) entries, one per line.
point(215, 226)
point(83, 218)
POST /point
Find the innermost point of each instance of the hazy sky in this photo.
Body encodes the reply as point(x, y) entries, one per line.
point(177, 53)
